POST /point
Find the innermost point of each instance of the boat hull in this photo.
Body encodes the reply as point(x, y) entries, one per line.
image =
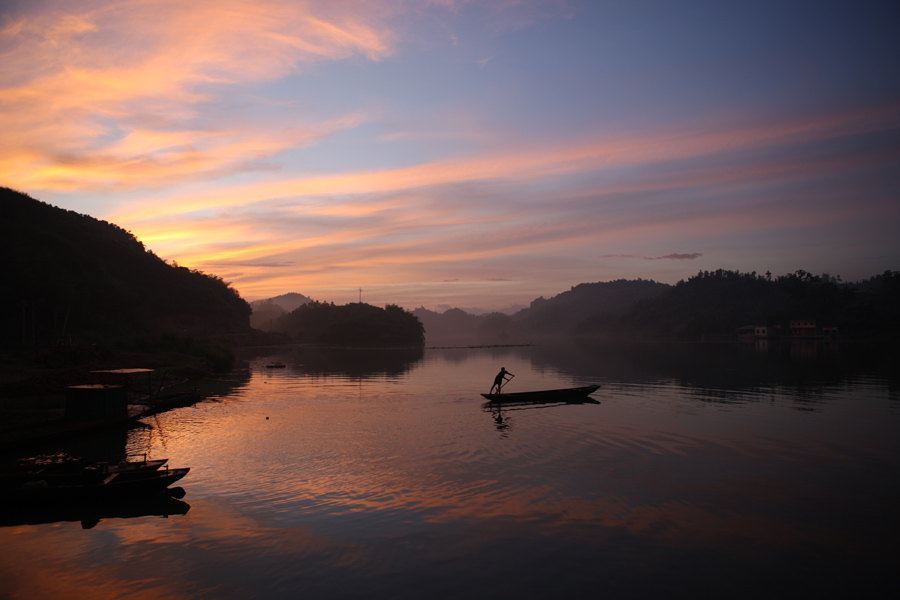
point(120, 484)
point(561, 395)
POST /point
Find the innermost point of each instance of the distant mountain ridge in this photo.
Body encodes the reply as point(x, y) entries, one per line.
point(288, 302)
point(268, 310)
point(712, 304)
point(558, 315)
point(565, 311)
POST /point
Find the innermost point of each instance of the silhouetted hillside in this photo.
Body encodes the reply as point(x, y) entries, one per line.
point(561, 313)
point(354, 324)
point(719, 302)
point(712, 303)
point(267, 311)
point(68, 275)
point(558, 315)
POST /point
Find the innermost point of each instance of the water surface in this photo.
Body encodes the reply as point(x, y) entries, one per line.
point(705, 470)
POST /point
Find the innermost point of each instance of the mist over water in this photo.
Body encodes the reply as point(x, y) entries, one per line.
point(705, 470)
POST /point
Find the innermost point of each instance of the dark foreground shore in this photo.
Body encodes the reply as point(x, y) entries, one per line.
point(31, 394)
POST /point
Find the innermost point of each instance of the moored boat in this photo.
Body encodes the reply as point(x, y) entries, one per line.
point(560, 395)
point(91, 483)
point(163, 402)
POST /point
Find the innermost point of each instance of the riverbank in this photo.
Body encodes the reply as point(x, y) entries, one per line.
point(31, 395)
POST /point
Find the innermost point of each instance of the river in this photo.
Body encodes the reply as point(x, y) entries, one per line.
point(702, 470)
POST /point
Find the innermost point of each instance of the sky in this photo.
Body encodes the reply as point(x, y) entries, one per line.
point(476, 154)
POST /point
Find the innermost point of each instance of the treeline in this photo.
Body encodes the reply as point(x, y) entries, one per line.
point(719, 302)
point(711, 303)
point(356, 324)
point(71, 276)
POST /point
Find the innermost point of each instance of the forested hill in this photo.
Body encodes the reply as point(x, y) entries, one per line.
point(268, 310)
point(719, 302)
point(558, 315)
point(356, 324)
point(68, 275)
point(712, 303)
point(563, 312)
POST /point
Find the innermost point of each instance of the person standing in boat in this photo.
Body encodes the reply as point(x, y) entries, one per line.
point(500, 379)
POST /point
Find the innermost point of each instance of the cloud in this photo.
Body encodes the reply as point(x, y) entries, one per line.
point(131, 94)
point(690, 256)
point(452, 219)
point(561, 159)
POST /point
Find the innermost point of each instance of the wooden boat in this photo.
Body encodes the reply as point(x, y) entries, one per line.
point(561, 395)
point(73, 468)
point(89, 485)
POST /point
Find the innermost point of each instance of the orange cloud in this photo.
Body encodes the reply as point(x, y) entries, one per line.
point(100, 95)
point(404, 232)
point(531, 164)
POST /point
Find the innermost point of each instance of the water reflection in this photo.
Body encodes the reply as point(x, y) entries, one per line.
point(395, 480)
point(502, 412)
point(89, 514)
point(347, 362)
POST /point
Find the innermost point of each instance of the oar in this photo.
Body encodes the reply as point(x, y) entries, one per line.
point(505, 381)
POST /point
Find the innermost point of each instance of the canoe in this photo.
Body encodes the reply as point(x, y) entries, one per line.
point(562, 395)
point(89, 486)
point(74, 469)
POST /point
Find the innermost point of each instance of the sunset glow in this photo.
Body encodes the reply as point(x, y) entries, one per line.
point(452, 152)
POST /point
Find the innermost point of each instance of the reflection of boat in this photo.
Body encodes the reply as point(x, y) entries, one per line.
point(275, 366)
point(91, 483)
point(561, 395)
point(91, 512)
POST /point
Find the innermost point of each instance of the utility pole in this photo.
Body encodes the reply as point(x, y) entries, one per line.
point(360, 295)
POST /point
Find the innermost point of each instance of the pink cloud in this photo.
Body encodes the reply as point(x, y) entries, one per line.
point(108, 96)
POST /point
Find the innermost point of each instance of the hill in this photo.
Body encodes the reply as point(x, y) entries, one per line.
point(711, 304)
point(268, 310)
point(562, 313)
point(69, 276)
point(559, 315)
point(356, 324)
point(719, 302)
